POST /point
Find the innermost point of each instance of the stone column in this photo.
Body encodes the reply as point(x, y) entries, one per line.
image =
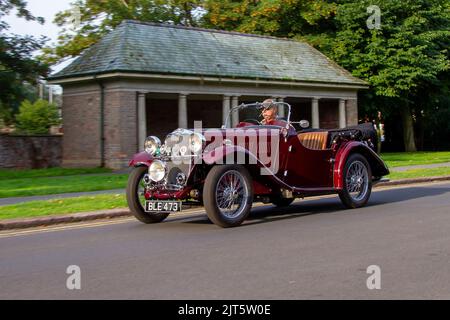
point(50, 94)
point(342, 114)
point(315, 113)
point(182, 111)
point(235, 115)
point(282, 110)
point(142, 120)
point(226, 110)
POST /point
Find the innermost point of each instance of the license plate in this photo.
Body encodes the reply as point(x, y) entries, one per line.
point(163, 206)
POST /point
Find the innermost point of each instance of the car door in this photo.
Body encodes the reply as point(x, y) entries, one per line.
point(308, 166)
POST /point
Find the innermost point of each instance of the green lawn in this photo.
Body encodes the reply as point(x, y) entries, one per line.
point(66, 184)
point(52, 172)
point(415, 158)
point(62, 206)
point(420, 173)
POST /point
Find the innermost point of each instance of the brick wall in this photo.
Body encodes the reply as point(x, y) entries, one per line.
point(30, 152)
point(81, 123)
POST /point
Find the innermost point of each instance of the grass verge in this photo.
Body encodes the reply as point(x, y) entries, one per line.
point(65, 184)
point(51, 172)
point(62, 206)
point(420, 173)
point(415, 158)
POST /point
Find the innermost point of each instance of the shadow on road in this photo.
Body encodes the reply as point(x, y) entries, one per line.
point(407, 193)
point(329, 205)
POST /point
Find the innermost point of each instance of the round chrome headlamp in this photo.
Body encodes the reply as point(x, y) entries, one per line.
point(157, 171)
point(196, 142)
point(152, 145)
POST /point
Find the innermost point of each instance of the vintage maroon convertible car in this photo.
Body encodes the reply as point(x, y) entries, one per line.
point(226, 170)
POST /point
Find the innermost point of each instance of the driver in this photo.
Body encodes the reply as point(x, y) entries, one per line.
point(270, 115)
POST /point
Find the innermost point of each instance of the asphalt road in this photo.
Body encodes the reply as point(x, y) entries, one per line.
point(313, 250)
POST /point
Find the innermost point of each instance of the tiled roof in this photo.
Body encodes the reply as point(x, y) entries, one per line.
point(165, 49)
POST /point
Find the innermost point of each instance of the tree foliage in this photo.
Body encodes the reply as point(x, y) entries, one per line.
point(285, 18)
point(17, 64)
point(36, 118)
point(402, 61)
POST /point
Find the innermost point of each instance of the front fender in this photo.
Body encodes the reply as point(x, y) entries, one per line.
point(141, 159)
point(379, 168)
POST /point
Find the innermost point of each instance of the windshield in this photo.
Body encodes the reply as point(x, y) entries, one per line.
point(252, 112)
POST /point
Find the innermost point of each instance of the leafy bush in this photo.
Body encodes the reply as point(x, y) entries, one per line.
point(36, 118)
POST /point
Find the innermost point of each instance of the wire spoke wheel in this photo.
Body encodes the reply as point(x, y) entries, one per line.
point(357, 180)
point(136, 197)
point(228, 195)
point(231, 194)
point(140, 192)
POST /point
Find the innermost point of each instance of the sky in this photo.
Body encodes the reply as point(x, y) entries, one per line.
point(40, 8)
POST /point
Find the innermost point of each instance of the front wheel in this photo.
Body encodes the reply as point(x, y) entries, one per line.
point(136, 199)
point(357, 182)
point(228, 195)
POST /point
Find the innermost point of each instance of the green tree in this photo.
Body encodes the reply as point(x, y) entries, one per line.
point(17, 64)
point(403, 58)
point(97, 17)
point(36, 118)
point(402, 61)
point(285, 18)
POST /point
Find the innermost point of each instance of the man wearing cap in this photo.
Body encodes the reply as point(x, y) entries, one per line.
point(270, 115)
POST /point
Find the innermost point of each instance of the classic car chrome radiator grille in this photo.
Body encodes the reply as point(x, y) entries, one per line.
point(177, 175)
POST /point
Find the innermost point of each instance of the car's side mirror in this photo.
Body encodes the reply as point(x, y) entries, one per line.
point(304, 124)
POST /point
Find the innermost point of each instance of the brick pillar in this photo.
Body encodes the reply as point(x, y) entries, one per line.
point(352, 112)
point(81, 122)
point(121, 134)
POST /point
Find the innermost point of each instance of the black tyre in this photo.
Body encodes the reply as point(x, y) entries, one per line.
point(228, 195)
point(282, 202)
point(136, 199)
point(357, 182)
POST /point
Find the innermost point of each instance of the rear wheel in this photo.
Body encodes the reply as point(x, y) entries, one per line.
point(136, 199)
point(357, 182)
point(228, 195)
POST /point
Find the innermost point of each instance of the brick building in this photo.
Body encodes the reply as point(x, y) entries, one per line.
point(147, 78)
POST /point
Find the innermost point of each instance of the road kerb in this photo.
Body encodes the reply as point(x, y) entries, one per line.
point(25, 223)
